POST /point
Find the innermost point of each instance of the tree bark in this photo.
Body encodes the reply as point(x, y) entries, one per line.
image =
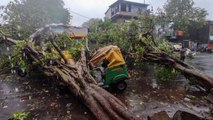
point(154, 55)
point(188, 71)
point(101, 103)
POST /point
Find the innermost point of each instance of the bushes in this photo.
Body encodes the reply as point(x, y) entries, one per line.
point(165, 74)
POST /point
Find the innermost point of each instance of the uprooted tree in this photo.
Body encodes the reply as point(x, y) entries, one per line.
point(101, 103)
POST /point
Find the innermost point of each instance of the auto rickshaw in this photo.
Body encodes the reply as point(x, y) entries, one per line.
point(115, 72)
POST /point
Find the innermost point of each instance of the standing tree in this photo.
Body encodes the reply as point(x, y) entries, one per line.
point(92, 24)
point(183, 14)
point(29, 15)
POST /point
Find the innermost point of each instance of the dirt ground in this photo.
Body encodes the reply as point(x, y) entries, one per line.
point(144, 96)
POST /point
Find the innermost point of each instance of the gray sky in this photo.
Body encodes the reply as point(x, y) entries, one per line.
point(82, 10)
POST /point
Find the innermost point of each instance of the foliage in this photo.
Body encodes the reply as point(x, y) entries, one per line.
point(190, 55)
point(124, 35)
point(17, 60)
point(183, 14)
point(28, 15)
point(165, 74)
point(65, 43)
point(20, 115)
point(165, 46)
point(18, 57)
point(13, 57)
point(7, 30)
point(4, 63)
point(146, 22)
point(92, 24)
point(112, 33)
point(127, 37)
point(162, 72)
point(71, 45)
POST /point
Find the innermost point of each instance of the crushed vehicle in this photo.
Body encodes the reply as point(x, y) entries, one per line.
point(109, 68)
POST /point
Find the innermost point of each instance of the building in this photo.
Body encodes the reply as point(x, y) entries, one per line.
point(123, 10)
point(203, 36)
point(167, 32)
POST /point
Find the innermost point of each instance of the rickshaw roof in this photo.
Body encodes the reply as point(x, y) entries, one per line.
point(111, 53)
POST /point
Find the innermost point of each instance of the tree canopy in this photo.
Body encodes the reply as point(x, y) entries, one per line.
point(183, 14)
point(28, 15)
point(92, 23)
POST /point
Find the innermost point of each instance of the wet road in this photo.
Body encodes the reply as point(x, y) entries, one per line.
point(146, 96)
point(204, 62)
point(43, 100)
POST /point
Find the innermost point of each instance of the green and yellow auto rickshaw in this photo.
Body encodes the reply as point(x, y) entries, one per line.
point(115, 72)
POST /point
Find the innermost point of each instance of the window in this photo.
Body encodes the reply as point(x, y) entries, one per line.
point(123, 7)
point(130, 8)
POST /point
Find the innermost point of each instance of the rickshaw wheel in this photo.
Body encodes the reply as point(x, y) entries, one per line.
point(121, 86)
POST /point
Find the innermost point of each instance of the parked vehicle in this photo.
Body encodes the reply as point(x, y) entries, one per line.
point(177, 47)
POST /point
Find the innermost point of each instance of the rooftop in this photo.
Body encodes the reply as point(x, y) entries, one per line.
point(124, 1)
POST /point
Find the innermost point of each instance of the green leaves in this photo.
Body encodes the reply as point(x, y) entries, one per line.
point(18, 57)
point(20, 115)
point(66, 43)
point(165, 74)
point(183, 14)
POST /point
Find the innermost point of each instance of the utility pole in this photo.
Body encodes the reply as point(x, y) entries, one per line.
point(144, 1)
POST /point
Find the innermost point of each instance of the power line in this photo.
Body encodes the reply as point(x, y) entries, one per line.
point(79, 14)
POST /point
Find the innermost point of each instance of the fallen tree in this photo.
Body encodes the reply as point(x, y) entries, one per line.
point(77, 77)
point(188, 71)
point(152, 54)
point(102, 104)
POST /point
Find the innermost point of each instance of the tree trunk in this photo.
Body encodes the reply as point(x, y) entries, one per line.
point(101, 103)
point(187, 70)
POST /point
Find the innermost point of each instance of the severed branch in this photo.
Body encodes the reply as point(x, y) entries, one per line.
point(59, 51)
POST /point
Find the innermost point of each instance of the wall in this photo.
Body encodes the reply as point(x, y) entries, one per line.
point(127, 7)
point(108, 13)
point(200, 35)
point(210, 45)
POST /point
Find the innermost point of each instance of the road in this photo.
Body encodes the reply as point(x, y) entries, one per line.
point(146, 95)
point(204, 62)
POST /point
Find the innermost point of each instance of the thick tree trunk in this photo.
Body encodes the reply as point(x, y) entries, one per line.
point(101, 103)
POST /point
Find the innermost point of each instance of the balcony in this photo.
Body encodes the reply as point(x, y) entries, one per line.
point(123, 14)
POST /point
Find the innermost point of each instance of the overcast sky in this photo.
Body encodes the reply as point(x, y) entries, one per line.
point(82, 10)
